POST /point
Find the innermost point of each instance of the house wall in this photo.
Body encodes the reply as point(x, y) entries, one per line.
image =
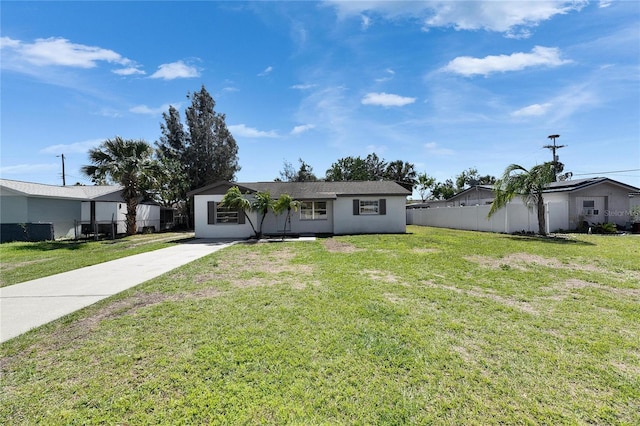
point(394, 221)
point(13, 208)
point(61, 213)
point(612, 203)
point(274, 224)
point(147, 215)
point(204, 230)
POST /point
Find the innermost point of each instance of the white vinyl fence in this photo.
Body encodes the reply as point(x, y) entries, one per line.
point(514, 217)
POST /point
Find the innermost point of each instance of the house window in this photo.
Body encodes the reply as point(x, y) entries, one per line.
point(369, 206)
point(588, 207)
point(221, 215)
point(313, 210)
point(226, 215)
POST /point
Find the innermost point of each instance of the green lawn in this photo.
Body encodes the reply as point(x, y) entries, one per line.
point(437, 326)
point(20, 261)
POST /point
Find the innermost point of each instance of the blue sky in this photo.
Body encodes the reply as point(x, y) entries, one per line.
point(444, 85)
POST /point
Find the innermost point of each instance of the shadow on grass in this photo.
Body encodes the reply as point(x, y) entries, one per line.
point(550, 240)
point(51, 245)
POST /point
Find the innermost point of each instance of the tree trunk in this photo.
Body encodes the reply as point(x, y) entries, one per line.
point(542, 225)
point(132, 206)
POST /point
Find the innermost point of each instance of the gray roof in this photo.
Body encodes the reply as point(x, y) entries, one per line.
point(104, 192)
point(571, 185)
point(316, 190)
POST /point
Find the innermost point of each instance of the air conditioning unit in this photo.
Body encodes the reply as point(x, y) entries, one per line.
point(588, 212)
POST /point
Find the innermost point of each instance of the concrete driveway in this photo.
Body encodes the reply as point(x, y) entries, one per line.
point(33, 303)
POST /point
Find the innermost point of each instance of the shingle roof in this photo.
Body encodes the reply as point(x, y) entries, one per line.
point(318, 190)
point(64, 192)
point(571, 185)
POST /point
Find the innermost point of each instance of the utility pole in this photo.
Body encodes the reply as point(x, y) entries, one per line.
point(553, 149)
point(64, 183)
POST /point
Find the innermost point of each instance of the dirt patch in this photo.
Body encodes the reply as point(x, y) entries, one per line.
point(488, 294)
point(393, 298)
point(424, 250)
point(576, 284)
point(255, 269)
point(8, 267)
point(334, 246)
point(381, 276)
point(527, 261)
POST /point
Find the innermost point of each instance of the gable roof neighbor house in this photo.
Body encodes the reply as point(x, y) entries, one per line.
point(65, 207)
point(326, 208)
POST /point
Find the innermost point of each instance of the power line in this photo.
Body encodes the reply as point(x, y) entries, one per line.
point(607, 173)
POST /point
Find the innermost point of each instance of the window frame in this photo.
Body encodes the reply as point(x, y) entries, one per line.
point(314, 209)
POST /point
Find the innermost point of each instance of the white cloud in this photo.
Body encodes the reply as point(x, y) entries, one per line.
point(604, 3)
point(514, 18)
point(539, 56)
point(176, 70)
point(56, 51)
point(386, 99)
point(389, 75)
point(303, 86)
point(27, 169)
point(128, 71)
point(434, 149)
point(77, 147)
point(143, 109)
point(266, 71)
point(366, 22)
point(532, 110)
point(250, 132)
point(297, 130)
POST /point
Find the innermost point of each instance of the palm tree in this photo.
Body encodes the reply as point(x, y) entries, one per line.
point(262, 203)
point(286, 202)
point(234, 199)
point(529, 184)
point(402, 173)
point(127, 162)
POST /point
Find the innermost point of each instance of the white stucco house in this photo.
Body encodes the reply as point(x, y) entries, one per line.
point(569, 205)
point(70, 208)
point(326, 208)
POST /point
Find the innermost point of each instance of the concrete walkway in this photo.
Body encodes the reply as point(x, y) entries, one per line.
point(33, 303)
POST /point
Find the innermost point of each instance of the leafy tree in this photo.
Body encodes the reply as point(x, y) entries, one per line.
point(529, 184)
point(303, 174)
point(211, 153)
point(402, 173)
point(234, 199)
point(443, 190)
point(376, 167)
point(470, 177)
point(348, 169)
point(286, 202)
point(129, 163)
point(173, 184)
point(425, 185)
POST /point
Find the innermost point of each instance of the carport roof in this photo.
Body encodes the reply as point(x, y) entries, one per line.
point(30, 189)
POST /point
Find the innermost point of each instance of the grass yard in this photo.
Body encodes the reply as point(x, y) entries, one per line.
point(433, 327)
point(20, 261)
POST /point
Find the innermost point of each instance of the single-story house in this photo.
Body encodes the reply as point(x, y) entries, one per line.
point(325, 208)
point(72, 210)
point(570, 204)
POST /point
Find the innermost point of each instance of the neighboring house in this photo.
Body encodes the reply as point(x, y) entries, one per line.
point(569, 205)
point(326, 208)
point(70, 208)
point(593, 200)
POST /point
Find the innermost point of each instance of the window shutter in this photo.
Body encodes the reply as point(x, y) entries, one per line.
point(382, 206)
point(356, 207)
point(241, 217)
point(211, 212)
